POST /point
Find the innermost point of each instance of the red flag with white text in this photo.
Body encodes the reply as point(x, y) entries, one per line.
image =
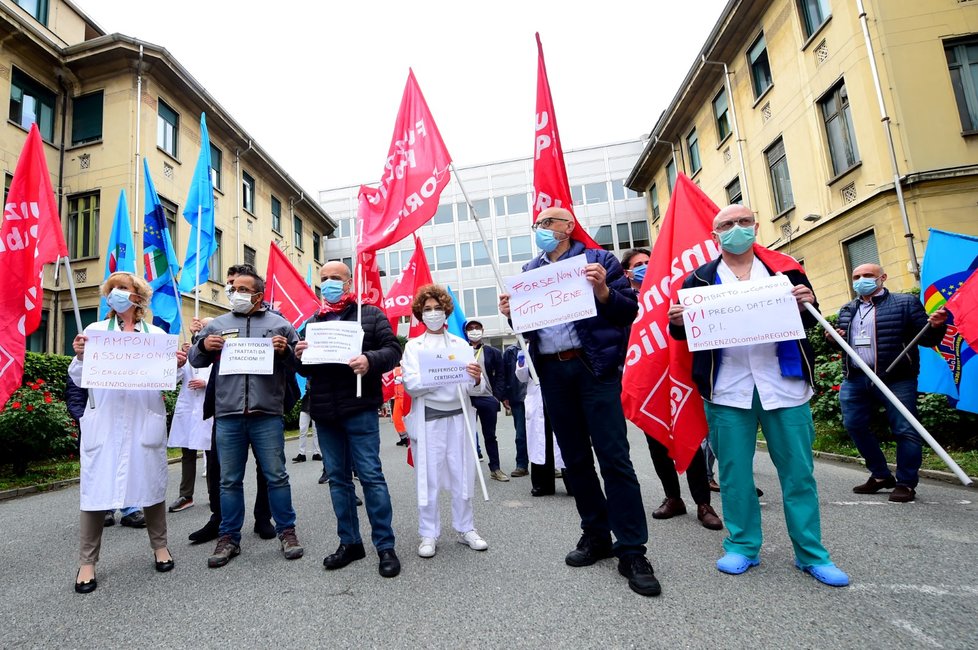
point(658, 393)
point(401, 294)
point(550, 186)
point(30, 237)
point(372, 292)
point(415, 173)
point(287, 291)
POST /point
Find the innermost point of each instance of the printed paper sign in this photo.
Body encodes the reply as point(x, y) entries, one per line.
point(130, 361)
point(247, 356)
point(445, 366)
point(550, 295)
point(332, 342)
point(741, 313)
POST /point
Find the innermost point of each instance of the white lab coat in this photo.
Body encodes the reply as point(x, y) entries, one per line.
point(189, 428)
point(123, 442)
point(536, 441)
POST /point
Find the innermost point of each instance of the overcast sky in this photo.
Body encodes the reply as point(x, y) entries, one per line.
point(317, 83)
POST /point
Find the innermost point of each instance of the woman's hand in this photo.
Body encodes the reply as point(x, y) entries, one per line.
point(475, 371)
point(79, 346)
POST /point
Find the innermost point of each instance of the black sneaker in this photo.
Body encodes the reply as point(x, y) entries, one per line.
point(641, 577)
point(317, 456)
point(208, 533)
point(134, 520)
point(390, 566)
point(403, 442)
point(109, 518)
point(300, 458)
point(588, 552)
point(344, 555)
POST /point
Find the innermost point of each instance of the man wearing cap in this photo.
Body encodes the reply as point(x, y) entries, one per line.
point(487, 406)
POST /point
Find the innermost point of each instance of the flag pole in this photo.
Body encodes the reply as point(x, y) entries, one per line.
point(470, 434)
point(358, 269)
point(495, 267)
point(74, 304)
point(197, 267)
point(907, 349)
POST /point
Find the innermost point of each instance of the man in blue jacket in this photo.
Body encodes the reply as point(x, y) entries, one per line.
point(580, 366)
point(514, 398)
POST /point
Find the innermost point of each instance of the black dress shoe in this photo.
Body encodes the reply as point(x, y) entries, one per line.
point(164, 565)
point(86, 587)
point(265, 529)
point(345, 554)
point(542, 492)
point(300, 458)
point(874, 485)
point(109, 518)
point(641, 577)
point(324, 478)
point(390, 566)
point(317, 456)
point(208, 533)
point(670, 508)
point(134, 520)
point(588, 551)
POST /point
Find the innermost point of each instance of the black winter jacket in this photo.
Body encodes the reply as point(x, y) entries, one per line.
point(513, 389)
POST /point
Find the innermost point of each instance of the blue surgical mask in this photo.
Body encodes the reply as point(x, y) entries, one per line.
point(638, 273)
point(865, 286)
point(737, 240)
point(119, 301)
point(332, 290)
point(546, 240)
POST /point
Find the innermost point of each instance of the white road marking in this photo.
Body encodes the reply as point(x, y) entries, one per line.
point(916, 633)
point(925, 590)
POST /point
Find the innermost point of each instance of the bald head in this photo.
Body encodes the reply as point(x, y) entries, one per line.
point(731, 213)
point(868, 271)
point(556, 213)
point(334, 271)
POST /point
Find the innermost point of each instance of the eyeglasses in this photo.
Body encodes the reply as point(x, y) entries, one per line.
point(743, 222)
point(243, 290)
point(547, 222)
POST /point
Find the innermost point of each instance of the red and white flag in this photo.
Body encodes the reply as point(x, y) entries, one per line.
point(287, 291)
point(964, 305)
point(550, 186)
point(401, 294)
point(415, 174)
point(372, 292)
point(658, 393)
point(30, 237)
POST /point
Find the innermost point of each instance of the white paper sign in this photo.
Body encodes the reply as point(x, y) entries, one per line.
point(444, 366)
point(550, 295)
point(247, 356)
point(740, 313)
point(130, 361)
point(333, 342)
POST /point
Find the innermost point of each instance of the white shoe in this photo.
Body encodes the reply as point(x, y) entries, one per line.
point(473, 541)
point(203, 474)
point(427, 547)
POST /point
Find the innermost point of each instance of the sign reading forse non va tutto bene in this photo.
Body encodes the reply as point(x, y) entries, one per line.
point(130, 361)
point(551, 295)
point(740, 313)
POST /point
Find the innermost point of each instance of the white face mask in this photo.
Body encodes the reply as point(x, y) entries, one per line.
point(241, 303)
point(434, 320)
point(474, 335)
point(228, 290)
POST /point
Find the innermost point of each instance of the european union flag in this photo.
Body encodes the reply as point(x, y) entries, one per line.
point(200, 206)
point(456, 320)
point(121, 255)
point(949, 260)
point(159, 261)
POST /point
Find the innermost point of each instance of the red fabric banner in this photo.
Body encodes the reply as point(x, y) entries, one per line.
point(401, 294)
point(372, 292)
point(287, 291)
point(964, 305)
point(550, 186)
point(658, 393)
point(415, 174)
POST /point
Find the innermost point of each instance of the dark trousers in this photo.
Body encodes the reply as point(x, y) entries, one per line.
point(188, 472)
point(542, 476)
point(665, 468)
point(586, 413)
point(487, 411)
point(262, 511)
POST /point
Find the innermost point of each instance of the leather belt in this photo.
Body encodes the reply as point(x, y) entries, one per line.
point(563, 355)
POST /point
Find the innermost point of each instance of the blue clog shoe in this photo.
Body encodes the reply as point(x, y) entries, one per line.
point(735, 563)
point(827, 574)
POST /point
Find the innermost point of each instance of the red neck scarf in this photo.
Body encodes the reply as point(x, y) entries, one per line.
point(336, 307)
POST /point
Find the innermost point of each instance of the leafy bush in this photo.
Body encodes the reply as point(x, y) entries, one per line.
point(34, 425)
point(52, 368)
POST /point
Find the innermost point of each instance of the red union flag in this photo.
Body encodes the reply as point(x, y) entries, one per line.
point(964, 305)
point(287, 291)
point(399, 297)
point(658, 393)
point(372, 292)
point(550, 186)
point(415, 174)
point(30, 237)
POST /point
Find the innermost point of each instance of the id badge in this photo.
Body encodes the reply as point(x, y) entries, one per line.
point(862, 341)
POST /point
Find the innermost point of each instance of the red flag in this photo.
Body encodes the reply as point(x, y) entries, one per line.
point(550, 186)
point(415, 174)
point(372, 292)
point(658, 393)
point(401, 294)
point(387, 384)
point(287, 291)
point(776, 261)
point(30, 237)
point(964, 305)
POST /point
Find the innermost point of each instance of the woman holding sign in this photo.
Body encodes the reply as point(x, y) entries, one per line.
point(123, 438)
point(443, 458)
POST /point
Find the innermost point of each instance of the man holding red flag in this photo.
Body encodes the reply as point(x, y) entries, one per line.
point(767, 384)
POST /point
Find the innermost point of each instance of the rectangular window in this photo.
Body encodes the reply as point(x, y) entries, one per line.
point(88, 316)
point(167, 128)
point(297, 232)
point(602, 236)
point(249, 255)
point(346, 226)
point(38, 340)
point(734, 195)
point(624, 236)
point(502, 250)
point(215, 265)
point(962, 64)
point(248, 192)
point(721, 114)
point(395, 262)
point(814, 13)
point(861, 250)
point(693, 147)
point(444, 257)
point(86, 118)
point(348, 261)
point(500, 203)
point(480, 256)
point(277, 215)
point(619, 192)
point(217, 158)
point(316, 246)
point(515, 204)
point(8, 178)
point(777, 162)
point(577, 194)
point(481, 208)
point(520, 249)
point(760, 67)
point(170, 210)
point(640, 234)
point(31, 103)
point(36, 8)
point(83, 219)
point(839, 130)
point(465, 255)
point(486, 303)
point(444, 213)
point(654, 201)
point(596, 193)
point(671, 175)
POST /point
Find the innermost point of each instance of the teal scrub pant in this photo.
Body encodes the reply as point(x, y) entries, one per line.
point(789, 433)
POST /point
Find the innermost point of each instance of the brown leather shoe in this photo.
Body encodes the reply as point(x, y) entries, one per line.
point(903, 494)
point(669, 509)
point(714, 486)
point(708, 517)
point(874, 485)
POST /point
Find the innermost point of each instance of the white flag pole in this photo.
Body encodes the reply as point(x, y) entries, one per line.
point(74, 304)
point(470, 434)
point(197, 266)
point(358, 268)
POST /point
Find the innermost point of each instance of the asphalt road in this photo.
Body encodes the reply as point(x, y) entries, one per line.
point(913, 575)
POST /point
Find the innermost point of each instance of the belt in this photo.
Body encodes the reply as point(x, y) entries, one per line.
point(563, 355)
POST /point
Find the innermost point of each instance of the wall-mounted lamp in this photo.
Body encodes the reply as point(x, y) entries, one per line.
point(812, 217)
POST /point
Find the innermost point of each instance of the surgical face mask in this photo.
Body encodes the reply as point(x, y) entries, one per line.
point(119, 301)
point(228, 290)
point(241, 303)
point(865, 286)
point(434, 320)
point(332, 290)
point(638, 273)
point(474, 335)
point(737, 240)
point(546, 240)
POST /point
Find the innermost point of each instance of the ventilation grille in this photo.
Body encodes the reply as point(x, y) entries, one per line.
point(766, 112)
point(821, 53)
point(848, 193)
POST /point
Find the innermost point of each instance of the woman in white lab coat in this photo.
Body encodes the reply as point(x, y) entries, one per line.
point(536, 439)
point(189, 431)
point(443, 456)
point(123, 438)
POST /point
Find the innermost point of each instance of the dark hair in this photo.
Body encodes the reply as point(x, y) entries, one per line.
point(242, 269)
point(249, 272)
point(431, 291)
point(627, 256)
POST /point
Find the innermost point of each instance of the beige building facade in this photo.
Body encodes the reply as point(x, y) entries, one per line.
point(103, 103)
point(780, 112)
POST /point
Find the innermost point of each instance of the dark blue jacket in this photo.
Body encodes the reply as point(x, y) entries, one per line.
point(604, 338)
point(492, 359)
point(76, 399)
point(899, 318)
point(513, 389)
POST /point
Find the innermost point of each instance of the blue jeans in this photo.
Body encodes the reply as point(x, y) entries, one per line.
point(266, 435)
point(352, 443)
point(860, 399)
point(519, 419)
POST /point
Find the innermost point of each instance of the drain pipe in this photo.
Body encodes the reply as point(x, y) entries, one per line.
point(744, 189)
point(237, 200)
point(139, 114)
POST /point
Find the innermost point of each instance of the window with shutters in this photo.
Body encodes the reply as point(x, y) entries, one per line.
point(962, 64)
point(734, 194)
point(861, 250)
point(86, 118)
point(777, 162)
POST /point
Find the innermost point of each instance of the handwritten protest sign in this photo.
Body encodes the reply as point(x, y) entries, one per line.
point(550, 295)
point(247, 356)
point(740, 313)
point(130, 361)
point(445, 366)
point(332, 342)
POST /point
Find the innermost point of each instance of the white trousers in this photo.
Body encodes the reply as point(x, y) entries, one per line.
point(305, 423)
point(445, 442)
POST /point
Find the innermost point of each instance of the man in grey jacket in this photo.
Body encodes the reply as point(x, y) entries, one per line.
point(248, 410)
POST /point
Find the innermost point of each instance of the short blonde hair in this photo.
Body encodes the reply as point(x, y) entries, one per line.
point(431, 291)
point(141, 288)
